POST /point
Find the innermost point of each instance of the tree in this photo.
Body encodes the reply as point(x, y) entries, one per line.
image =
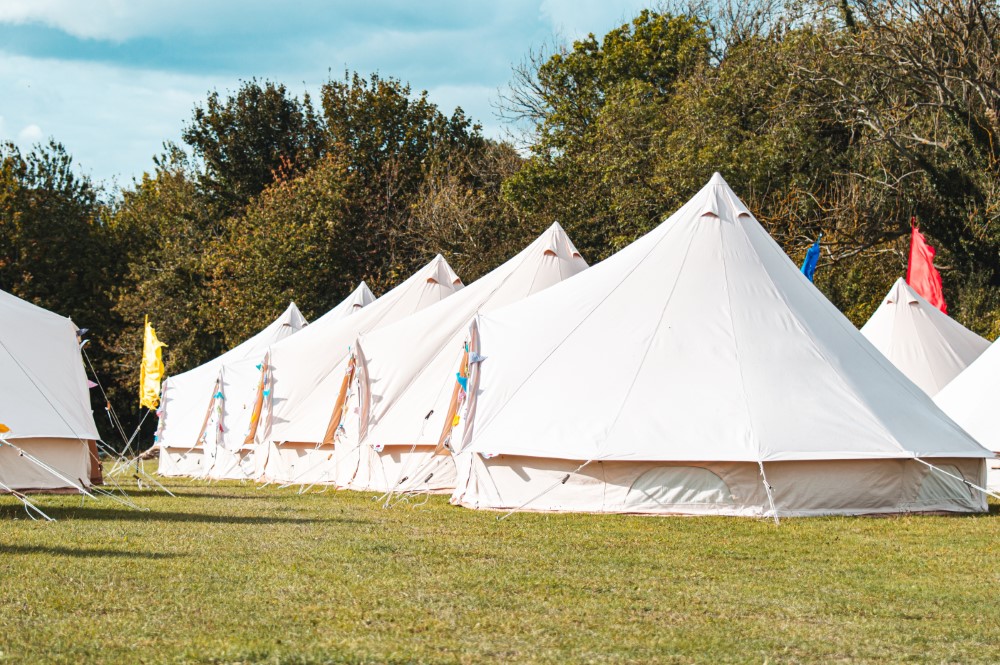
point(291, 244)
point(163, 228)
point(388, 140)
point(58, 252)
point(922, 79)
point(246, 140)
point(462, 214)
point(597, 109)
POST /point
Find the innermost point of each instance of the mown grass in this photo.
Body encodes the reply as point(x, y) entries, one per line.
point(228, 573)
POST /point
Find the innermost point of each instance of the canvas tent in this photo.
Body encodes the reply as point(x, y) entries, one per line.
point(306, 373)
point(188, 402)
point(927, 345)
point(698, 371)
point(232, 451)
point(44, 400)
point(971, 400)
point(406, 371)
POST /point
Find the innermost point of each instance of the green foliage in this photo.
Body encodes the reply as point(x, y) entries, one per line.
point(164, 230)
point(248, 139)
point(598, 110)
point(821, 124)
point(289, 245)
point(389, 141)
point(51, 231)
point(461, 214)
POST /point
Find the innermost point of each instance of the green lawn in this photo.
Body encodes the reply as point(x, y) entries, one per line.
point(228, 573)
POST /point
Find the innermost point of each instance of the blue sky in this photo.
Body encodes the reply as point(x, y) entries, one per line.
point(113, 79)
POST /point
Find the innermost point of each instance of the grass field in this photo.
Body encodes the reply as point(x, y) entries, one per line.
point(229, 573)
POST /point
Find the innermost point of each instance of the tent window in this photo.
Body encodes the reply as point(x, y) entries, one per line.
point(666, 486)
point(937, 487)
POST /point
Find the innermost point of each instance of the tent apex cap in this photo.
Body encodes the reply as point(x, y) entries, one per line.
point(717, 179)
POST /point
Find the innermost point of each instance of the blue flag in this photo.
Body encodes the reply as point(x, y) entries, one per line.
point(812, 258)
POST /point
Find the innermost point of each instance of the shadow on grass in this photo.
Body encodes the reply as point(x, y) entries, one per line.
point(81, 552)
point(116, 514)
point(181, 493)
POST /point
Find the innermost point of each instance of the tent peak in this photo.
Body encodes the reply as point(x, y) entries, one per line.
point(438, 271)
point(361, 296)
point(556, 242)
point(902, 292)
point(720, 201)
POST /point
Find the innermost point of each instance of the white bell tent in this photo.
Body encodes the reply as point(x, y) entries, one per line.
point(972, 399)
point(231, 453)
point(927, 345)
point(44, 401)
point(306, 373)
point(698, 371)
point(406, 372)
point(188, 402)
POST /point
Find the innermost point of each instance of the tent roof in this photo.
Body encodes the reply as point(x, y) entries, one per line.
point(43, 392)
point(411, 364)
point(701, 341)
point(307, 369)
point(927, 345)
point(971, 398)
point(186, 396)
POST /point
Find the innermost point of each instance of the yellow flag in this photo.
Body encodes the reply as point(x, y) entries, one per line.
point(151, 371)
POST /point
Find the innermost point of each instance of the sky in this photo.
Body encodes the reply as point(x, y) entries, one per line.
point(113, 79)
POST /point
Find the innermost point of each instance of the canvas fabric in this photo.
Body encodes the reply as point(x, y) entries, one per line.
point(699, 343)
point(229, 455)
point(799, 489)
point(44, 395)
point(187, 397)
point(927, 345)
point(971, 400)
point(306, 375)
point(407, 371)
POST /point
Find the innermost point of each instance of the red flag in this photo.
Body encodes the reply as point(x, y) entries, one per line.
point(921, 273)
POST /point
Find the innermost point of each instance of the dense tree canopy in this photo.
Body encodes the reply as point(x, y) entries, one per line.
point(846, 118)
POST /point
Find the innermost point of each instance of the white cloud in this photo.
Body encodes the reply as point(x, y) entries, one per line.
point(96, 19)
point(120, 20)
point(30, 134)
point(113, 105)
point(575, 19)
point(112, 120)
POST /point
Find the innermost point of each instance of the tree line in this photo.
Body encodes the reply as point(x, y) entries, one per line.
point(848, 118)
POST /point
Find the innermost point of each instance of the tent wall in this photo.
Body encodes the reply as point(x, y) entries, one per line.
point(993, 475)
point(181, 461)
point(71, 457)
point(301, 463)
point(224, 464)
point(188, 399)
point(800, 489)
point(403, 468)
